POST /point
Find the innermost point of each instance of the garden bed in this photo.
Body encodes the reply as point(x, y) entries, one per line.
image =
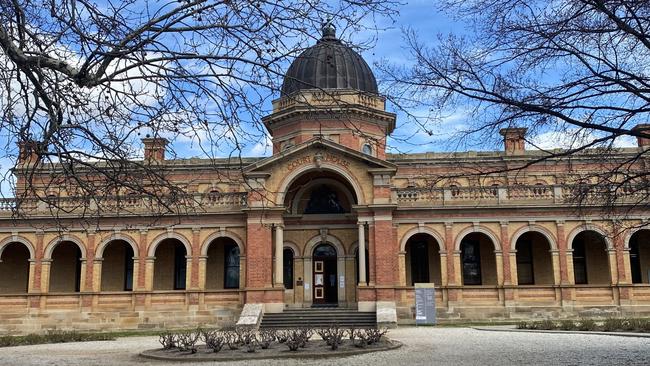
point(246, 344)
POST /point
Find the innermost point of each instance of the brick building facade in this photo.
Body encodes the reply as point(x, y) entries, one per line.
point(330, 219)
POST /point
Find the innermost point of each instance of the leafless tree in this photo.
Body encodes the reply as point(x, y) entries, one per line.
point(83, 81)
point(578, 69)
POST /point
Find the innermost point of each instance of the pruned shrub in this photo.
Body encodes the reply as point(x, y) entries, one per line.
point(375, 334)
point(266, 337)
point(168, 340)
point(295, 339)
point(187, 341)
point(214, 340)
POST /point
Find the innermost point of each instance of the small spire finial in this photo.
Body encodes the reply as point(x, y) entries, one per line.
point(328, 28)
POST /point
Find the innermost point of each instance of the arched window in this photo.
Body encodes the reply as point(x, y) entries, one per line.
point(287, 268)
point(366, 149)
point(324, 200)
point(231, 266)
point(325, 250)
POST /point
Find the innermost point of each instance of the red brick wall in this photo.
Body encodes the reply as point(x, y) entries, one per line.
point(259, 254)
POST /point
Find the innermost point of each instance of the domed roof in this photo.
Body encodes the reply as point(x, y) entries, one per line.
point(329, 64)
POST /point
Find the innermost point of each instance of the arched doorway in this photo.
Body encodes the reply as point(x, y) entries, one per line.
point(65, 273)
point(222, 266)
point(14, 268)
point(534, 262)
point(422, 260)
point(590, 261)
point(478, 260)
point(170, 266)
point(324, 277)
point(117, 267)
point(640, 256)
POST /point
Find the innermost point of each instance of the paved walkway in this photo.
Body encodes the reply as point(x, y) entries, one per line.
point(422, 346)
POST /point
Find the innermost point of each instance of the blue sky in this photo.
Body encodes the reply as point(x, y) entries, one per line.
point(428, 21)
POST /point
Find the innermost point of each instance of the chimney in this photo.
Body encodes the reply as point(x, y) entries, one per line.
point(154, 148)
point(513, 140)
point(643, 128)
point(27, 152)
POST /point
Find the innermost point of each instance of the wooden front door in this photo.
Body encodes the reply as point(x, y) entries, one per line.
point(325, 275)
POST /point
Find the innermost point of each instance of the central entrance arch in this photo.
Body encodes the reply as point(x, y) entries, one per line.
point(324, 275)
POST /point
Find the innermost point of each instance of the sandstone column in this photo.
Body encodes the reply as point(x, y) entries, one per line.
point(362, 255)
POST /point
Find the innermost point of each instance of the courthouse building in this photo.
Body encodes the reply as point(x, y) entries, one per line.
point(330, 219)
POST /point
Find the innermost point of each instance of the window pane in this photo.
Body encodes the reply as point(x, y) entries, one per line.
point(288, 268)
point(128, 268)
point(231, 266)
point(635, 260)
point(471, 257)
point(419, 262)
point(525, 272)
point(579, 262)
point(179, 267)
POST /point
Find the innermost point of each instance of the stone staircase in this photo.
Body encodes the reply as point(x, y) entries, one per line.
point(318, 317)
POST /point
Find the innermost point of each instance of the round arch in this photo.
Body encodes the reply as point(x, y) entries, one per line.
point(169, 235)
point(329, 181)
point(589, 227)
point(49, 249)
point(115, 237)
point(477, 229)
point(626, 242)
point(291, 245)
point(535, 229)
point(318, 239)
point(18, 239)
point(205, 246)
point(289, 179)
point(422, 230)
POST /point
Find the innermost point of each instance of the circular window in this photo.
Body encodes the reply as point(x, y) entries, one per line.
point(366, 149)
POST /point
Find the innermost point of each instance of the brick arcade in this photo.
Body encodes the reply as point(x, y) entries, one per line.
point(330, 219)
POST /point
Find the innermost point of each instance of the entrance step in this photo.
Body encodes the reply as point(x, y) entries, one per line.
point(319, 317)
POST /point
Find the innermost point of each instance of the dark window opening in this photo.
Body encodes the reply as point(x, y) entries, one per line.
point(325, 250)
point(128, 268)
point(525, 272)
point(579, 262)
point(419, 262)
point(180, 263)
point(635, 260)
point(323, 200)
point(287, 268)
point(471, 257)
point(77, 271)
point(231, 266)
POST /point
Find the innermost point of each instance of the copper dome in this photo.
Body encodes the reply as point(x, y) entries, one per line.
point(329, 64)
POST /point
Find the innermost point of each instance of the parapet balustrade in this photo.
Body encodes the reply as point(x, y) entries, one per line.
point(201, 202)
point(532, 195)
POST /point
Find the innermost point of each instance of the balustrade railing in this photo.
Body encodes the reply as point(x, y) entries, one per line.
point(519, 195)
point(128, 203)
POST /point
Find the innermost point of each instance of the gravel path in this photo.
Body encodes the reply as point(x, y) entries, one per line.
point(422, 346)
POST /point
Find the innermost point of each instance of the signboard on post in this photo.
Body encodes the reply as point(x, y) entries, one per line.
point(425, 304)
